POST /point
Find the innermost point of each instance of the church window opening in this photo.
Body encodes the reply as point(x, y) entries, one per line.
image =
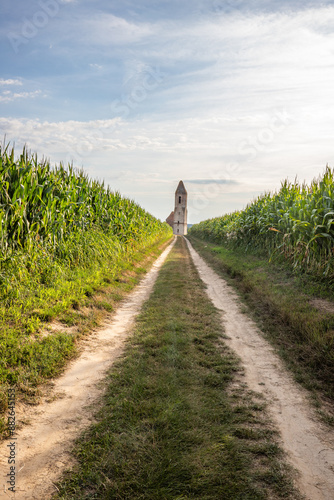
point(179, 199)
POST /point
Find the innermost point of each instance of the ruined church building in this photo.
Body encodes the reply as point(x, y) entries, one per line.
point(178, 219)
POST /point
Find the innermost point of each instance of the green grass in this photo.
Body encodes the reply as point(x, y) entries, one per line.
point(177, 421)
point(27, 359)
point(283, 303)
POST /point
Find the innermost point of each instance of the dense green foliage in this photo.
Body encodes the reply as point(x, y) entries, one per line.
point(51, 216)
point(38, 203)
point(297, 222)
point(62, 236)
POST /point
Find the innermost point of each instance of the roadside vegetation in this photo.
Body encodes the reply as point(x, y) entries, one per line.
point(279, 253)
point(66, 241)
point(295, 224)
point(177, 421)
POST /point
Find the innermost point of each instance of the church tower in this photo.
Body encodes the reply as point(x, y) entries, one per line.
point(180, 211)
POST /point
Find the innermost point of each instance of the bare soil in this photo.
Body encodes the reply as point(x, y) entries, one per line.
point(323, 305)
point(43, 446)
point(309, 443)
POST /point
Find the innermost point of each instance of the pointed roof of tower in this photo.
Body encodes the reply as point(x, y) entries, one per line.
point(181, 189)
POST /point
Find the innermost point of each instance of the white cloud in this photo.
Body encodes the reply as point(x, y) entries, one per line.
point(8, 96)
point(10, 82)
point(198, 146)
point(96, 66)
point(106, 29)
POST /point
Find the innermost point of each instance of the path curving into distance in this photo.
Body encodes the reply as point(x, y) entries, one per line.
point(308, 443)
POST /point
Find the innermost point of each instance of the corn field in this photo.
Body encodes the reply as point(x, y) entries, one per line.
point(45, 205)
point(296, 223)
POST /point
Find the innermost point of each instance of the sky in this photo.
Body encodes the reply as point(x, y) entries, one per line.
point(231, 96)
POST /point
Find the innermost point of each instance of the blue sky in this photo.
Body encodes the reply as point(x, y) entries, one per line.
point(230, 96)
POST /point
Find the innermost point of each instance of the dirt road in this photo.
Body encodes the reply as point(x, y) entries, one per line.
point(42, 448)
point(310, 445)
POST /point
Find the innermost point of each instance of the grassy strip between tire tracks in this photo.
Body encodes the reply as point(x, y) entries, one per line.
point(295, 311)
point(32, 359)
point(177, 421)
